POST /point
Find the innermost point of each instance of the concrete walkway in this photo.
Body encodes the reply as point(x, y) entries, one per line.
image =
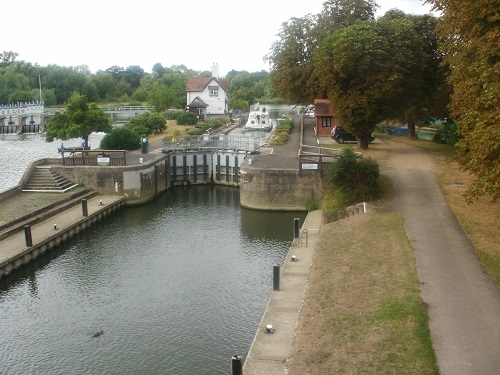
point(463, 302)
point(14, 245)
point(270, 351)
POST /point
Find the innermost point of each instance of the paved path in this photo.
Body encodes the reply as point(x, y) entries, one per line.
point(463, 302)
point(269, 352)
point(15, 244)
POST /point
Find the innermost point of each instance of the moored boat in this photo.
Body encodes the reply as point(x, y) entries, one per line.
point(259, 120)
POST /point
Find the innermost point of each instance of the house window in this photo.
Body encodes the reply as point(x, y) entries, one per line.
point(213, 90)
point(326, 122)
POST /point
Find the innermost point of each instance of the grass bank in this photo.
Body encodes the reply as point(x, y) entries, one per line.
point(364, 313)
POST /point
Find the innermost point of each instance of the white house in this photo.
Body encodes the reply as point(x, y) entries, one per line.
point(207, 96)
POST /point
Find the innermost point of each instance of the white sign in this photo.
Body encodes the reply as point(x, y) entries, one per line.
point(103, 161)
point(309, 166)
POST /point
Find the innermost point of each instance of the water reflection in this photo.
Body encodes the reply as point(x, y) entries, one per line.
point(176, 286)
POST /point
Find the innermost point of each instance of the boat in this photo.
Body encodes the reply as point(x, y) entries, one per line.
point(259, 120)
point(73, 149)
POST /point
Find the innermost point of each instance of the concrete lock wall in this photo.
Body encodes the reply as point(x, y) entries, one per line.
point(137, 183)
point(279, 189)
point(221, 168)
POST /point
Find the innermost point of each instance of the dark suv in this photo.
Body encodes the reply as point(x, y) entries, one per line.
point(340, 135)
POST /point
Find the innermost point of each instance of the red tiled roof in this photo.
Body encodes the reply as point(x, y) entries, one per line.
point(197, 84)
point(322, 107)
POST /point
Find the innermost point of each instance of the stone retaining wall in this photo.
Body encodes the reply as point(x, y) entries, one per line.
point(47, 244)
point(279, 189)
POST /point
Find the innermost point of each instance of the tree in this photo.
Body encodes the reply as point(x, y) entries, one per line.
point(368, 71)
point(78, 120)
point(342, 13)
point(471, 45)
point(428, 94)
point(7, 58)
point(291, 60)
point(293, 76)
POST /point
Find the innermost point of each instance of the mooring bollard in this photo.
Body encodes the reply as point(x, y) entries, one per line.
point(27, 235)
point(236, 365)
point(276, 278)
point(296, 228)
point(85, 209)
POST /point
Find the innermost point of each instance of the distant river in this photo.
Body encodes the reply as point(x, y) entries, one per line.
point(176, 286)
point(18, 150)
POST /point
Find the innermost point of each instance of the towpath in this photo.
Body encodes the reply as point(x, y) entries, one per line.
point(463, 302)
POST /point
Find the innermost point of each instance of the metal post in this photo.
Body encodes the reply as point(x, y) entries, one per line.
point(276, 278)
point(85, 210)
point(296, 227)
point(27, 235)
point(236, 365)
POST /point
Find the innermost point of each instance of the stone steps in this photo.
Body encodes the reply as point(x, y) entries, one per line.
point(44, 179)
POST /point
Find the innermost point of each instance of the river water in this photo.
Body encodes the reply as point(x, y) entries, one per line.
point(176, 286)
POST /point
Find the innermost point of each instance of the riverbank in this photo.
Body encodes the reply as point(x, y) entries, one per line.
point(366, 307)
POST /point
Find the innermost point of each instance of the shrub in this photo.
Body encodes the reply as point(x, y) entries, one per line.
point(172, 115)
point(187, 118)
point(147, 123)
point(121, 139)
point(281, 132)
point(311, 206)
point(354, 178)
point(447, 133)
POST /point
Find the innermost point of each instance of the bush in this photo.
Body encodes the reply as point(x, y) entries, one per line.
point(447, 133)
point(147, 123)
point(311, 206)
point(172, 115)
point(187, 118)
point(121, 139)
point(354, 178)
point(281, 132)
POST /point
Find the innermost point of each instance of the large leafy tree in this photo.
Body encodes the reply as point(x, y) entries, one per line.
point(369, 70)
point(429, 93)
point(79, 119)
point(344, 13)
point(291, 58)
point(471, 46)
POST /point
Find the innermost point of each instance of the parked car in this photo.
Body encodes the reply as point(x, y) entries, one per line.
point(340, 135)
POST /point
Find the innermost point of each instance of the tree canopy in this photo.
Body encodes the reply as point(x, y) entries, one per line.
point(471, 47)
point(79, 119)
point(369, 71)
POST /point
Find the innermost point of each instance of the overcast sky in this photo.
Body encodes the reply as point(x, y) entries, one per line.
point(234, 34)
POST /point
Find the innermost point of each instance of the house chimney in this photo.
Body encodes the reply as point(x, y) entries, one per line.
point(215, 71)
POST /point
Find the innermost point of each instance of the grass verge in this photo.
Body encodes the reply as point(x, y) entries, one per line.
point(367, 316)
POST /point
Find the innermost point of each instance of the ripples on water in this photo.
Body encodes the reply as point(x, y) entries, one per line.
point(177, 286)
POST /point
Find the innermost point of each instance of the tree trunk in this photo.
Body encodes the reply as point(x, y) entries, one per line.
point(363, 142)
point(411, 131)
